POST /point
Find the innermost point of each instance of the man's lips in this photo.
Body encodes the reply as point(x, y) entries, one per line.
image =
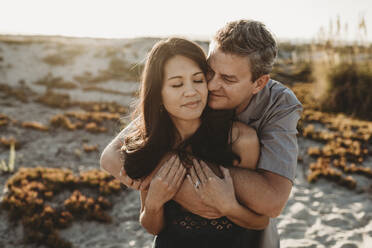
point(216, 95)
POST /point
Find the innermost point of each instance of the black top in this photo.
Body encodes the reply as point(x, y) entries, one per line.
point(185, 229)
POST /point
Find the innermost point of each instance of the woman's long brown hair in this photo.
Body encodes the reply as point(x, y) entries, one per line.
point(153, 133)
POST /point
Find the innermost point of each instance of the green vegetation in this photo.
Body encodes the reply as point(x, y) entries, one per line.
point(342, 73)
point(349, 90)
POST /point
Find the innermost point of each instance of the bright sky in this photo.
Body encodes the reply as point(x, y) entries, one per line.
point(293, 19)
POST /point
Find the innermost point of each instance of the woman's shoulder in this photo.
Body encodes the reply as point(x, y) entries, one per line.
point(246, 145)
point(241, 131)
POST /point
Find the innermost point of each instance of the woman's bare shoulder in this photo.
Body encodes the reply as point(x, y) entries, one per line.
point(246, 145)
point(241, 131)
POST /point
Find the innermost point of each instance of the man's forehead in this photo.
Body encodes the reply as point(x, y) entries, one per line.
point(228, 64)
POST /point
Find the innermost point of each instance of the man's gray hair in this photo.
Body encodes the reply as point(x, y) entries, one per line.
point(249, 38)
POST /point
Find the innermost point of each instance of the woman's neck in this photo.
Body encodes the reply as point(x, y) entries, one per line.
point(186, 128)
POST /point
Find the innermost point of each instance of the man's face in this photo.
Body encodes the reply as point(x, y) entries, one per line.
point(230, 82)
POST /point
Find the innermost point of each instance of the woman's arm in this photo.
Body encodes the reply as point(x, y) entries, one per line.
point(152, 215)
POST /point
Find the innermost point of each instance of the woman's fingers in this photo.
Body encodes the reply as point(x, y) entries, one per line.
point(166, 167)
point(208, 172)
point(195, 178)
point(199, 171)
point(181, 177)
point(226, 173)
point(177, 168)
point(174, 167)
point(190, 179)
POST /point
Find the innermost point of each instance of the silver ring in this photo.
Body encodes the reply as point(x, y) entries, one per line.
point(197, 184)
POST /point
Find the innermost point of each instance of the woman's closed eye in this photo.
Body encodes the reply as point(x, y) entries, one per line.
point(199, 81)
point(177, 85)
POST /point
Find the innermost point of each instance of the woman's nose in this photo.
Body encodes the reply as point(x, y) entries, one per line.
point(190, 90)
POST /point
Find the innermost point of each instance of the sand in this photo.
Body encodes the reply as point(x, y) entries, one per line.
point(322, 214)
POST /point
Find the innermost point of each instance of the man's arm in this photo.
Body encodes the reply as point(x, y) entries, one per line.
point(111, 161)
point(266, 189)
point(110, 158)
point(261, 191)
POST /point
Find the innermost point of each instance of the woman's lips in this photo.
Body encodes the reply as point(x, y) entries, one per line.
point(192, 104)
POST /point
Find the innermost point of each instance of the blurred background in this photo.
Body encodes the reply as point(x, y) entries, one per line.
point(70, 73)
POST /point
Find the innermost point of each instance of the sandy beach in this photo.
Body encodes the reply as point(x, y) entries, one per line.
point(42, 77)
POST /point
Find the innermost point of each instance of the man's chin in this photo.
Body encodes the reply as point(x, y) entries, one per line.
point(216, 105)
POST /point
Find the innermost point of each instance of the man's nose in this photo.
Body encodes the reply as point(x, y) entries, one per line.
point(214, 84)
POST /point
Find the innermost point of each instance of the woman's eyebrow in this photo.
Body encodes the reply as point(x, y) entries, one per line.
point(196, 73)
point(174, 77)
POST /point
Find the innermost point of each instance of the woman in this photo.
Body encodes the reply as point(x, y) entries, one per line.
point(172, 131)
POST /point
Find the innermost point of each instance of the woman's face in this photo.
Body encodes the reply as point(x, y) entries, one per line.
point(184, 91)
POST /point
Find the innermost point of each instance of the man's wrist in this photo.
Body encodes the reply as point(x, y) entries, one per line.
point(153, 206)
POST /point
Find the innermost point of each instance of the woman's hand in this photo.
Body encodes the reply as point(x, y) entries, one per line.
point(214, 191)
point(165, 183)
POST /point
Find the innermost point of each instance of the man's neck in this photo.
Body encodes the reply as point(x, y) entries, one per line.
point(243, 105)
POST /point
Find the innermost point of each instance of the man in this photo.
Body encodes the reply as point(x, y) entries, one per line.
point(241, 57)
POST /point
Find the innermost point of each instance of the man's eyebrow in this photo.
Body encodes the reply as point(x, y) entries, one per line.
point(196, 73)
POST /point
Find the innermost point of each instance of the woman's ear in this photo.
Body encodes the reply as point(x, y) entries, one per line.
point(260, 83)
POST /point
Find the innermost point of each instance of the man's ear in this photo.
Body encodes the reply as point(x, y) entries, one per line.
point(260, 83)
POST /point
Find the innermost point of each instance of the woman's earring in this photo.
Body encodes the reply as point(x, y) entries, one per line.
point(161, 108)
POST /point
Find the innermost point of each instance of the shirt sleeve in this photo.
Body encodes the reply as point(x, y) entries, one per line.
point(278, 137)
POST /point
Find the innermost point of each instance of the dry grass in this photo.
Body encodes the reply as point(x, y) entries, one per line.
point(30, 191)
point(64, 54)
point(118, 69)
point(345, 141)
point(55, 82)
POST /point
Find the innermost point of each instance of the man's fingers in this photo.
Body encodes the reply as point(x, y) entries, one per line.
point(136, 184)
point(122, 172)
point(126, 180)
point(235, 162)
point(226, 173)
point(145, 183)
